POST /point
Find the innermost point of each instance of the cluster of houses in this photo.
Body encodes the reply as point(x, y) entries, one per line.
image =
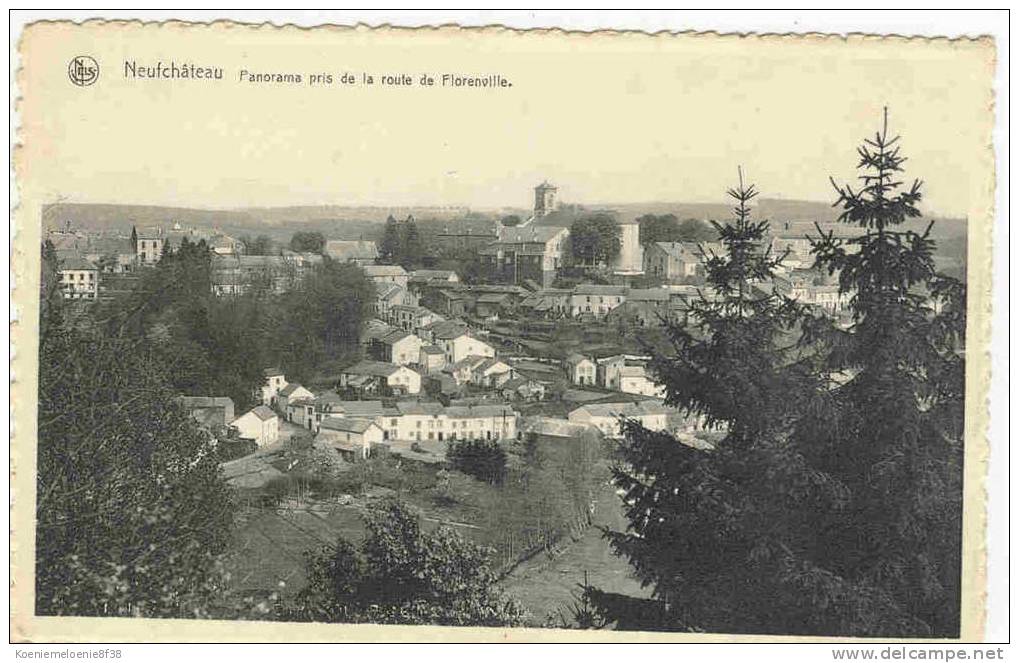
point(233, 274)
point(357, 427)
point(625, 373)
point(354, 427)
point(85, 259)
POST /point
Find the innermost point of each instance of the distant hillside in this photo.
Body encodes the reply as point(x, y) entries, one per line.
point(333, 221)
point(774, 209)
point(351, 222)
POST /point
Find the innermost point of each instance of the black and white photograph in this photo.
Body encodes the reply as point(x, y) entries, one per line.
point(520, 335)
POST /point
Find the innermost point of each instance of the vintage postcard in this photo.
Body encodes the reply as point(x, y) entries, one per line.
point(450, 334)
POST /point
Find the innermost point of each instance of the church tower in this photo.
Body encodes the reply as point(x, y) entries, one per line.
point(545, 199)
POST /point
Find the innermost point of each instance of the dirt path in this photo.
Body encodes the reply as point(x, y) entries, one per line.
point(544, 586)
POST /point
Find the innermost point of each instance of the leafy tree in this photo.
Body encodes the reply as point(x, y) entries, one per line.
point(51, 297)
point(390, 246)
point(510, 220)
point(482, 459)
point(657, 228)
point(131, 510)
point(318, 324)
point(262, 245)
point(401, 575)
point(595, 239)
point(312, 242)
point(695, 230)
point(832, 503)
point(667, 228)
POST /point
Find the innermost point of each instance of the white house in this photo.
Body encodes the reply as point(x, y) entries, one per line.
point(463, 370)
point(492, 373)
point(431, 358)
point(459, 345)
point(149, 247)
point(401, 347)
point(79, 278)
point(608, 371)
point(259, 424)
point(309, 412)
point(412, 317)
point(371, 377)
point(580, 369)
point(274, 383)
point(290, 393)
point(596, 300)
point(387, 274)
point(607, 417)
point(634, 380)
point(351, 437)
point(420, 421)
point(481, 422)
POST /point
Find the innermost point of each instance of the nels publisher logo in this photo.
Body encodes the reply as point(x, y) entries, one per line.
point(83, 70)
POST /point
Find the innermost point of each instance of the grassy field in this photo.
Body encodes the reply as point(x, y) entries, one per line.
point(275, 529)
point(546, 585)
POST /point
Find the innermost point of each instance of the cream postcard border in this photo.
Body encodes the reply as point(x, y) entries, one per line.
point(30, 178)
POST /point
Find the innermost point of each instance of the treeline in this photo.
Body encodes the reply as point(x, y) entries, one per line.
point(132, 512)
point(219, 346)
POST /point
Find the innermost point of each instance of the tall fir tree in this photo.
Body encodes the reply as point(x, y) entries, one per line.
point(390, 246)
point(897, 444)
point(412, 251)
point(832, 502)
point(718, 533)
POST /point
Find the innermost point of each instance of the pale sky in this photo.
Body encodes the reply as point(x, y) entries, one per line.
point(612, 119)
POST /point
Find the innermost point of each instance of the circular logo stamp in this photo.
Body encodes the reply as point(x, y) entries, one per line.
point(83, 70)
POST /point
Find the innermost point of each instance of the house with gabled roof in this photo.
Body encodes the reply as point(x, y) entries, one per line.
point(523, 388)
point(292, 392)
point(378, 377)
point(580, 369)
point(79, 278)
point(354, 438)
point(431, 358)
point(275, 380)
point(596, 300)
point(387, 274)
point(608, 417)
point(481, 422)
point(635, 380)
point(259, 424)
point(526, 254)
point(491, 373)
point(399, 347)
point(412, 317)
point(212, 412)
point(361, 252)
point(458, 344)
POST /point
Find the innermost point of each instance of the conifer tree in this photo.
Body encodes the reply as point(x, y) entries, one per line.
point(897, 444)
point(832, 503)
point(412, 251)
point(717, 533)
point(390, 246)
